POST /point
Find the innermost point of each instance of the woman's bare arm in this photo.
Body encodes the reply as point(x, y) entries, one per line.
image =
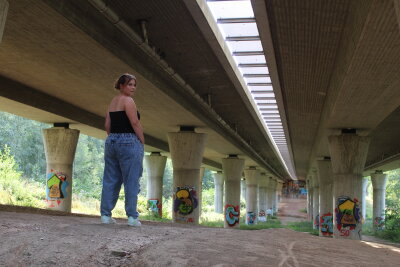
point(131, 112)
point(107, 123)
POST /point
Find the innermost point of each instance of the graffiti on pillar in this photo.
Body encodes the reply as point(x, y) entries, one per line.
point(326, 224)
point(316, 222)
point(347, 215)
point(262, 216)
point(56, 185)
point(379, 223)
point(251, 218)
point(155, 207)
point(185, 200)
point(53, 203)
point(232, 214)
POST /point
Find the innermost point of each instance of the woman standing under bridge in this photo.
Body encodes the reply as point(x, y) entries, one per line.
point(123, 155)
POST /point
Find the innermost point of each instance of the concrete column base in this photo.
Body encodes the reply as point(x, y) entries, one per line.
point(155, 166)
point(379, 181)
point(251, 195)
point(348, 156)
point(262, 197)
point(59, 146)
point(325, 198)
point(186, 150)
point(232, 172)
point(219, 192)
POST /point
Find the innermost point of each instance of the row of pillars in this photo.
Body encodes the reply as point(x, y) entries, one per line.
point(186, 150)
point(336, 189)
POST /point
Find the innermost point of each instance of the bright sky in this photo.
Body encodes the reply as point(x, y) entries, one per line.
point(256, 76)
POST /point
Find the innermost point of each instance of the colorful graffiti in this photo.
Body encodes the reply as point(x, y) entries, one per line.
point(347, 215)
point(185, 200)
point(53, 203)
point(251, 218)
point(316, 222)
point(262, 216)
point(232, 214)
point(379, 223)
point(56, 185)
point(155, 207)
point(326, 224)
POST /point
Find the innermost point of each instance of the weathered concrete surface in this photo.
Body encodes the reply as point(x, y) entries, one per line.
point(155, 165)
point(252, 176)
point(233, 168)
point(219, 192)
point(44, 240)
point(59, 147)
point(187, 150)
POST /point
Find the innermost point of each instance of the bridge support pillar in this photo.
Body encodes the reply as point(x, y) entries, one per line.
point(325, 198)
point(232, 172)
point(272, 195)
point(252, 175)
point(186, 149)
point(364, 196)
point(219, 192)
point(200, 191)
point(59, 146)
point(155, 166)
point(279, 187)
point(262, 197)
point(379, 180)
point(309, 199)
point(243, 188)
point(315, 200)
point(3, 15)
point(348, 156)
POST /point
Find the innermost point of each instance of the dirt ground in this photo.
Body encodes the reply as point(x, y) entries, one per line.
point(36, 238)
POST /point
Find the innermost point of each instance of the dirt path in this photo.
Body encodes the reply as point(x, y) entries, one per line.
point(290, 210)
point(34, 239)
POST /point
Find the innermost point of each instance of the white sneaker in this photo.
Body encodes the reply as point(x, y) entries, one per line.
point(107, 220)
point(133, 222)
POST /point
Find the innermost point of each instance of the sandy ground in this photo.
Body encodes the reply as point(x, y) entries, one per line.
point(31, 238)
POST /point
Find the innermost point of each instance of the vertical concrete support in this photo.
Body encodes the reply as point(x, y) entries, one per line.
point(364, 197)
point(379, 181)
point(325, 198)
point(252, 175)
point(272, 197)
point(186, 148)
point(279, 187)
point(200, 191)
point(397, 9)
point(315, 200)
point(3, 15)
point(262, 197)
point(309, 199)
point(348, 156)
point(232, 172)
point(59, 146)
point(155, 166)
point(219, 192)
point(243, 188)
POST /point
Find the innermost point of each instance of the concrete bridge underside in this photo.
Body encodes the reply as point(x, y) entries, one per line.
point(336, 65)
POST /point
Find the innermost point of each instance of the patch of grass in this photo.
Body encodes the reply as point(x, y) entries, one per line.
point(303, 210)
point(305, 226)
point(270, 223)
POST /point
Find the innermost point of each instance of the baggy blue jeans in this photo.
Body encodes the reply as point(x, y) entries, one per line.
point(123, 158)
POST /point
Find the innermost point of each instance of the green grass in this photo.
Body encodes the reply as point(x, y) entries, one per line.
point(305, 226)
point(270, 223)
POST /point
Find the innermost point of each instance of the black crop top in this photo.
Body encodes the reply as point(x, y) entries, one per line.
point(120, 122)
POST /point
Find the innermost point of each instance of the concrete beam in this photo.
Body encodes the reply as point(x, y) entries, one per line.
point(3, 16)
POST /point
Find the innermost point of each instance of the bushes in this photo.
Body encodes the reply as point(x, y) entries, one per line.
point(14, 189)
